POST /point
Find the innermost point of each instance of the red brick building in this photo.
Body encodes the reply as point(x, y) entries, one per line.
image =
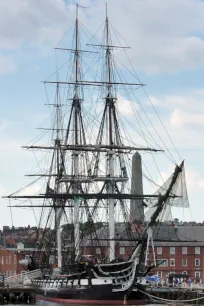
point(187, 258)
point(9, 260)
point(182, 251)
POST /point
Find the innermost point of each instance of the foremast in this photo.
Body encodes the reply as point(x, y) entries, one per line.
point(147, 235)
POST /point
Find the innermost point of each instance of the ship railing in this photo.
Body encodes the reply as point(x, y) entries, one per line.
point(20, 278)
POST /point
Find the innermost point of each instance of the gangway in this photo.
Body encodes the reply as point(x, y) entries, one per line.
point(17, 280)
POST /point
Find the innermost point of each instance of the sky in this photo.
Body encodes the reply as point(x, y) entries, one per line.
point(167, 52)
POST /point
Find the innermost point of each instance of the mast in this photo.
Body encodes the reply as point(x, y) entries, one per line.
point(110, 155)
point(58, 201)
point(75, 154)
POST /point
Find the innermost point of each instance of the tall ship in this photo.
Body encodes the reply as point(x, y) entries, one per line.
point(91, 205)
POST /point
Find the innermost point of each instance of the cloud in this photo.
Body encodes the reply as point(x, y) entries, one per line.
point(194, 179)
point(30, 22)
point(7, 65)
point(181, 118)
point(34, 68)
point(125, 106)
point(30, 190)
point(165, 36)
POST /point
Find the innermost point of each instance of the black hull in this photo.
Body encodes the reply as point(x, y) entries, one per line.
point(99, 292)
point(78, 292)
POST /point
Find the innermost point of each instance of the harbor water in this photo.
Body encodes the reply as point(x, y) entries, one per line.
point(45, 303)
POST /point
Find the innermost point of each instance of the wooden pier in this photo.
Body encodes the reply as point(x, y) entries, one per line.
point(17, 296)
point(184, 295)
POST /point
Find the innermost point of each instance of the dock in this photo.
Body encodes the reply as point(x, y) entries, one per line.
point(17, 296)
point(172, 294)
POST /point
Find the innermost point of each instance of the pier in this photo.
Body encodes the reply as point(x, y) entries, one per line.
point(17, 296)
point(172, 294)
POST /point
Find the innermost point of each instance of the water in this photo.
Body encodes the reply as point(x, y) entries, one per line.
point(45, 303)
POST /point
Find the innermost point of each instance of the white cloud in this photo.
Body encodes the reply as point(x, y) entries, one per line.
point(7, 65)
point(194, 179)
point(180, 118)
point(165, 36)
point(125, 106)
point(31, 21)
point(30, 190)
point(34, 68)
point(182, 115)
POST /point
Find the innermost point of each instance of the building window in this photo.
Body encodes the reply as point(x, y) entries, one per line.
point(184, 250)
point(122, 250)
point(172, 262)
point(162, 262)
point(197, 250)
point(6, 260)
point(9, 259)
point(14, 260)
point(184, 262)
point(159, 273)
point(197, 262)
point(2, 260)
point(197, 274)
point(172, 250)
point(98, 251)
point(159, 250)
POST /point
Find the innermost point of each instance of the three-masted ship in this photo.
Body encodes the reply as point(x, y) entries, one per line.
point(88, 193)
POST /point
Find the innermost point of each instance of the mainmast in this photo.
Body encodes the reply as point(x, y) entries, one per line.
point(110, 155)
point(75, 155)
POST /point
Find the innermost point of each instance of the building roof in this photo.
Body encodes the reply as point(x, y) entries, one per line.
point(163, 235)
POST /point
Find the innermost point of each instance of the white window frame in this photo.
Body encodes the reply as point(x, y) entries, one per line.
point(6, 260)
point(172, 250)
point(122, 250)
point(10, 260)
point(174, 262)
point(159, 273)
point(162, 265)
point(197, 250)
point(197, 272)
point(14, 259)
point(186, 262)
point(184, 250)
point(195, 262)
point(159, 250)
point(98, 251)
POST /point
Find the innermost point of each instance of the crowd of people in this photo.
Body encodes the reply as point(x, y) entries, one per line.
point(181, 281)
